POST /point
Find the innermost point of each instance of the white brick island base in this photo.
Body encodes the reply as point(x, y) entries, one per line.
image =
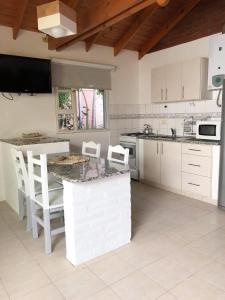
point(97, 216)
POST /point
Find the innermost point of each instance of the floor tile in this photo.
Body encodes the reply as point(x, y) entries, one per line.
point(111, 268)
point(48, 292)
point(80, 285)
point(167, 296)
point(195, 288)
point(137, 286)
point(106, 294)
point(214, 273)
point(55, 267)
point(22, 278)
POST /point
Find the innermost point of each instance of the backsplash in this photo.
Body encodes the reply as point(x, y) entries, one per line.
point(162, 117)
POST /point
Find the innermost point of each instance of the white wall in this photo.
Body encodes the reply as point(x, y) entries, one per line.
point(27, 114)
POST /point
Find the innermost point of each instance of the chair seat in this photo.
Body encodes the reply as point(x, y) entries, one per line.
point(55, 199)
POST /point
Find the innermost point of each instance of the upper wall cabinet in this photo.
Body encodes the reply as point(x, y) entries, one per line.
point(182, 81)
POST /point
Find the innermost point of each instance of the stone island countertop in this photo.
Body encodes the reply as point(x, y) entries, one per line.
point(88, 171)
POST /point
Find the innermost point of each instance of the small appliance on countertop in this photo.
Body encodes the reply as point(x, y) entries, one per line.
point(208, 130)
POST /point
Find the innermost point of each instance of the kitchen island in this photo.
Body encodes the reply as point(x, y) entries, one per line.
point(97, 207)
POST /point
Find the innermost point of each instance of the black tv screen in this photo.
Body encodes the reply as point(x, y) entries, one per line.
point(24, 75)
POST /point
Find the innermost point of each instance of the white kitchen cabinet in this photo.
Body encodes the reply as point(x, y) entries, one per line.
point(194, 79)
point(158, 84)
point(172, 82)
point(171, 164)
point(162, 163)
point(151, 161)
point(182, 81)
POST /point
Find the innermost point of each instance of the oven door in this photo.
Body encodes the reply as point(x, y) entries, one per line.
point(132, 149)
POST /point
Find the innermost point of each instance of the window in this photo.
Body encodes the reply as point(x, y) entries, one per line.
point(90, 109)
point(81, 109)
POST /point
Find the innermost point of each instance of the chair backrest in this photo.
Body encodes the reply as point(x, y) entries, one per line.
point(36, 163)
point(92, 146)
point(120, 152)
point(21, 171)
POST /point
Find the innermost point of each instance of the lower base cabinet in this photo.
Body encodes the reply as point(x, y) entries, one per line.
point(162, 163)
point(171, 165)
point(189, 169)
point(151, 157)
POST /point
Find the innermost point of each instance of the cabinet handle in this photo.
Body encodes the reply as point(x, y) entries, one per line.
point(157, 148)
point(162, 148)
point(190, 183)
point(166, 94)
point(161, 94)
point(183, 92)
point(194, 165)
point(197, 150)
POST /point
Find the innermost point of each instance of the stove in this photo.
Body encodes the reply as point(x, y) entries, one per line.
point(130, 141)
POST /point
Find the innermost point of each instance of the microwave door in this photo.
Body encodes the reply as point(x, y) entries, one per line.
point(207, 130)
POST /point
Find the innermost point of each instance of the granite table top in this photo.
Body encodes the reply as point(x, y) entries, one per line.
point(88, 171)
point(182, 139)
point(33, 141)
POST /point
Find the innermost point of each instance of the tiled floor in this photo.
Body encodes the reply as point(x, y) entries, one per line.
point(177, 252)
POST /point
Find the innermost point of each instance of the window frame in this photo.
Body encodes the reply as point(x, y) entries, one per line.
point(73, 111)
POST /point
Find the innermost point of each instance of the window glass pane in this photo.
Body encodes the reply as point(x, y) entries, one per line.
point(65, 122)
point(65, 99)
point(90, 109)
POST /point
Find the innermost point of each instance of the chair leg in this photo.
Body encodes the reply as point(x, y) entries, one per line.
point(47, 231)
point(21, 205)
point(29, 216)
point(33, 219)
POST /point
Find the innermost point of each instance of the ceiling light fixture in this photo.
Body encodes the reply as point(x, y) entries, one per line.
point(56, 19)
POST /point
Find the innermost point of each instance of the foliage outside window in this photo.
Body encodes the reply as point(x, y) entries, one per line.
point(90, 109)
point(82, 109)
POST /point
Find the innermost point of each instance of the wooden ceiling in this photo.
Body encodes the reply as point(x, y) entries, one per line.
point(138, 25)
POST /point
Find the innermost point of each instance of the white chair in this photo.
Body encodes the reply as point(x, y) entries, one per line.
point(22, 185)
point(49, 201)
point(94, 149)
point(118, 154)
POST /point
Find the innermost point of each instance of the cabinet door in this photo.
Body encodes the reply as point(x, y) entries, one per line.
point(171, 164)
point(157, 84)
point(151, 161)
point(173, 82)
point(191, 79)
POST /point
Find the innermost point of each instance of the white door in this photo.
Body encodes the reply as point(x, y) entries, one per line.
point(191, 79)
point(173, 82)
point(151, 161)
point(157, 84)
point(171, 164)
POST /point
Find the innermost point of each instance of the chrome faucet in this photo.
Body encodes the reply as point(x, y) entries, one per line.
point(174, 133)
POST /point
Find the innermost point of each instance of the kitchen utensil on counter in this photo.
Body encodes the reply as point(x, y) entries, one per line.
point(147, 129)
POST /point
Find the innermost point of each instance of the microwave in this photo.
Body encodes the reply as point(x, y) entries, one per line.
point(208, 130)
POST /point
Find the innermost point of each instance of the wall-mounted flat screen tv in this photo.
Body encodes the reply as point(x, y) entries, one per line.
point(25, 75)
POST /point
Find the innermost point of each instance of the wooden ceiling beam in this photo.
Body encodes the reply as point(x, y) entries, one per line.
point(135, 27)
point(103, 14)
point(19, 18)
point(91, 40)
point(190, 4)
